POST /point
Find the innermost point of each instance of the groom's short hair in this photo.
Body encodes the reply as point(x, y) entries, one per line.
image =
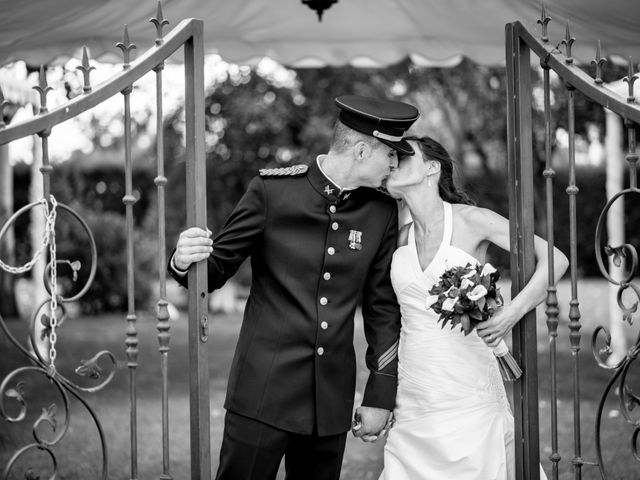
point(345, 138)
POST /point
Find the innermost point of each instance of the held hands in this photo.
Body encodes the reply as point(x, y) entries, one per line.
point(194, 245)
point(496, 328)
point(371, 424)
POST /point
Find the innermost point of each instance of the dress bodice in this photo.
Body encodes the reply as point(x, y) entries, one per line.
point(411, 283)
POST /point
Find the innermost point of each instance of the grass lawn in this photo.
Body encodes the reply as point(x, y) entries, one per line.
point(80, 338)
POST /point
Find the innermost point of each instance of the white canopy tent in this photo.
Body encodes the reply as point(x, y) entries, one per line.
point(380, 32)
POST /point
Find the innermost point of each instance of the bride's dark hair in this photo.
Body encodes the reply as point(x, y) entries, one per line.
point(432, 150)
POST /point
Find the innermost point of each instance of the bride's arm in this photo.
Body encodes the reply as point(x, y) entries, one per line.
point(494, 228)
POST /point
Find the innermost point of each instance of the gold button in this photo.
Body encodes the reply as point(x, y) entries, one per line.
point(324, 325)
point(332, 209)
point(331, 250)
point(320, 351)
point(334, 225)
point(326, 275)
point(324, 301)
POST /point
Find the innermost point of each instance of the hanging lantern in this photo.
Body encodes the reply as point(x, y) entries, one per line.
point(319, 6)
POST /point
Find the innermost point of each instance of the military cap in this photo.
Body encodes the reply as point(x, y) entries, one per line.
point(387, 120)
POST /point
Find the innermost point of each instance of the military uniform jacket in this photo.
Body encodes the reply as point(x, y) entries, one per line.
point(315, 252)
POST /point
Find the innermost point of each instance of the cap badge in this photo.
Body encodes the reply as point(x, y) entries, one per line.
point(328, 190)
point(355, 240)
point(391, 138)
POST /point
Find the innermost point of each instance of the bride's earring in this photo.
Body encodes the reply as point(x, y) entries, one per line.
point(429, 180)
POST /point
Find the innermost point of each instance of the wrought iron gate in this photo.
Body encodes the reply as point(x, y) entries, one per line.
point(13, 403)
point(521, 45)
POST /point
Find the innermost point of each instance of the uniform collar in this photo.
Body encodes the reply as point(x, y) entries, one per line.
point(324, 185)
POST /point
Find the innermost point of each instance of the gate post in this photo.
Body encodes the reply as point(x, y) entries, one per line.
point(197, 216)
point(8, 306)
point(521, 225)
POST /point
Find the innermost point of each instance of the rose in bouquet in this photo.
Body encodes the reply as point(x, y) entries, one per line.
point(469, 295)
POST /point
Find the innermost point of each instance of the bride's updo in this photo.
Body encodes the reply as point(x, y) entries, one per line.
point(432, 150)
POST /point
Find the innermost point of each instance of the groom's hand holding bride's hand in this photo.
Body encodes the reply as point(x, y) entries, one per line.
point(371, 423)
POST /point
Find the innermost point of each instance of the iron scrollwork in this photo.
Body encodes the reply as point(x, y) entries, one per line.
point(626, 257)
point(48, 429)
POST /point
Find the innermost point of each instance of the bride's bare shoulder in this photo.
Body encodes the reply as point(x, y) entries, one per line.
point(475, 218)
point(403, 235)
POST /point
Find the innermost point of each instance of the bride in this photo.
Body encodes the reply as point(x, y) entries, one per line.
point(453, 419)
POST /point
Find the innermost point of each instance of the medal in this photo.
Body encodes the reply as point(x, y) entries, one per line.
point(355, 240)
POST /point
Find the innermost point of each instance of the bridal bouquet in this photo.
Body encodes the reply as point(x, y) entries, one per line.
point(469, 295)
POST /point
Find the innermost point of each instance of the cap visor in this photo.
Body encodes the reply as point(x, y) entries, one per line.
point(402, 146)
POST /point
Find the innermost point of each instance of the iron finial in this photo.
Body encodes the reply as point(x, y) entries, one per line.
point(126, 46)
point(159, 21)
point(42, 88)
point(599, 62)
point(85, 68)
point(544, 20)
point(568, 41)
point(630, 79)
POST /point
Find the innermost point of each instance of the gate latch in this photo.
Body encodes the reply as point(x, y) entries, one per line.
point(204, 329)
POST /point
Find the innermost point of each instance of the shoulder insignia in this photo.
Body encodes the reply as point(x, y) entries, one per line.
point(291, 171)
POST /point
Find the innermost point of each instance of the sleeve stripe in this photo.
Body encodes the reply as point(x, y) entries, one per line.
point(381, 365)
point(389, 353)
point(388, 356)
point(392, 350)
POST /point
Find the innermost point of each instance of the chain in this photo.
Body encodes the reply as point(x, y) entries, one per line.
point(48, 240)
point(53, 337)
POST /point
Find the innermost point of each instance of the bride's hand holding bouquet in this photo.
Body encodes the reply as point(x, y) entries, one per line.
point(496, 327)
point(470, 297)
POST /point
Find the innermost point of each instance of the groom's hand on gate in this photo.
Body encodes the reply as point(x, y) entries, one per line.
point(194, 245)
point(371, 423)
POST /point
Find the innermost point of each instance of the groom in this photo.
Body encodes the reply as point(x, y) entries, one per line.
point(320, 239)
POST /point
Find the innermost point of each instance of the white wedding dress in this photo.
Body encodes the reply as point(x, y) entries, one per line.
point(453, 419)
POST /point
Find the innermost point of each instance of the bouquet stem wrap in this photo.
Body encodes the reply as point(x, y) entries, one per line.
point(509, 368)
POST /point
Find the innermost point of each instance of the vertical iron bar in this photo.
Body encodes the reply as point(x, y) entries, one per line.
point(164, 335)
point(574, 310)
point(132, 334)
point(632, 157)
point(521, 222)
point(197, 216)
point(46, 167)
point(7, 246)
point(43, 89)
point(552, 299)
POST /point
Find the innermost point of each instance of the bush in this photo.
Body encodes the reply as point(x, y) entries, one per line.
point(108, 291)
